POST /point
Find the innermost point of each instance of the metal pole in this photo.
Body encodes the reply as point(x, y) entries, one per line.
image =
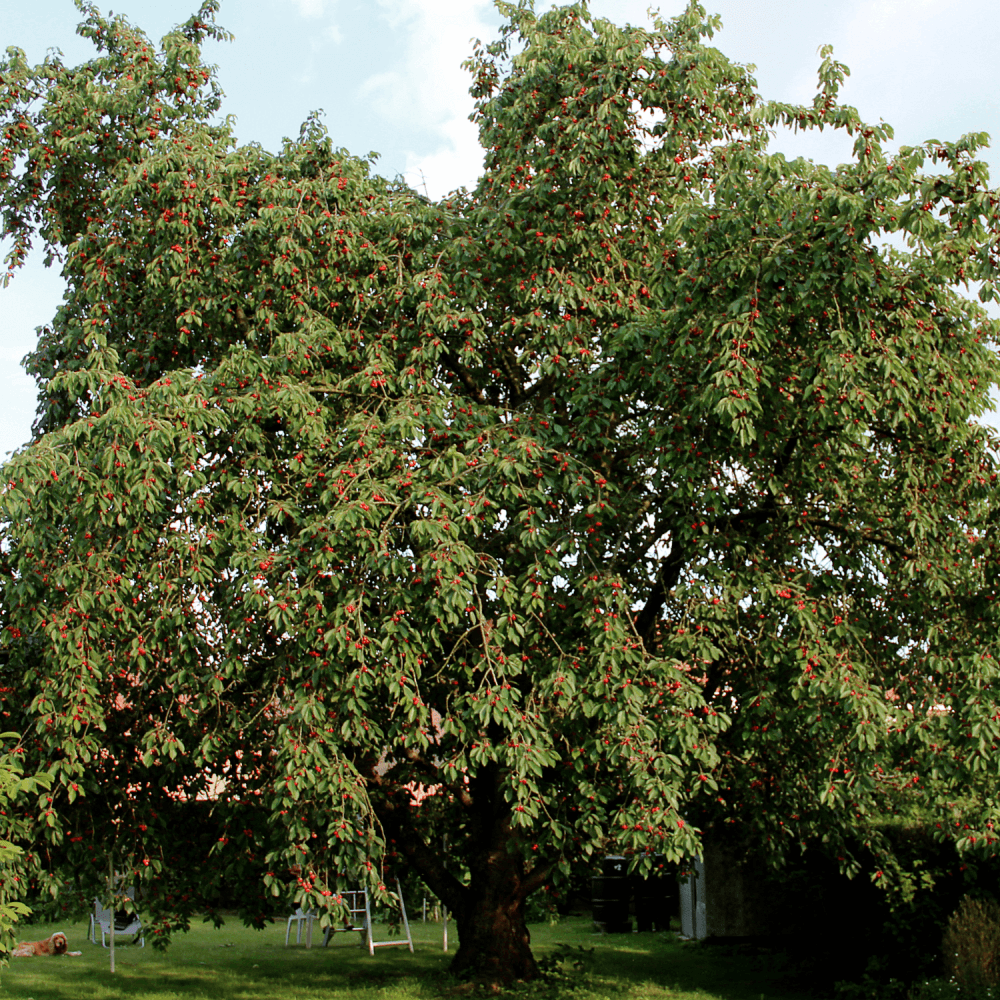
point(111, 883)
point(444, 909)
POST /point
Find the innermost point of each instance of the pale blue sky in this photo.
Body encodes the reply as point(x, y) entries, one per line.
point(387, 74)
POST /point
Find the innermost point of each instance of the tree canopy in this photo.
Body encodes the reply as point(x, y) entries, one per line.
point(638, 490)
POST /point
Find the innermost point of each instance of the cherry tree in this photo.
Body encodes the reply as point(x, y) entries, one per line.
point(639, 489)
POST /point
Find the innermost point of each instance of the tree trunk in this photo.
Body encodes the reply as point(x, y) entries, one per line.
point(494, 942)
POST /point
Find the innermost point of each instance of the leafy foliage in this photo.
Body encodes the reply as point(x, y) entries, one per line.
point(635, 490)
point(13, 785)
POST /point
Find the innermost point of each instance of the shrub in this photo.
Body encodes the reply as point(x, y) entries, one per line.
point(937, 989)
point(971, 943)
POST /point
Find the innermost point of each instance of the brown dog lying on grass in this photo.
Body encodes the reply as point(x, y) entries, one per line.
point(54, 945)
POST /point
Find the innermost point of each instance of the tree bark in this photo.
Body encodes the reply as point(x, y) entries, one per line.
point(494, 941)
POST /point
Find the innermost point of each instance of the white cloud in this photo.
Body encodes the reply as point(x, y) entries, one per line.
point(380, 85)
point(921, 58)
point(310, 8)
point(456, 165)
point(394, 12)
point(29, 301)
point(429, 90)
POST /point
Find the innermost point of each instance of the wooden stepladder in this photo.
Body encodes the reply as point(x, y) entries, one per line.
point(360, 920)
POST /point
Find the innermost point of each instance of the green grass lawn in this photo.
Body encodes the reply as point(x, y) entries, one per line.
point(235, 963)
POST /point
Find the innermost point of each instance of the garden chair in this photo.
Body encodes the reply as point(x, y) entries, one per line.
point(126, 924)
point(299, 917)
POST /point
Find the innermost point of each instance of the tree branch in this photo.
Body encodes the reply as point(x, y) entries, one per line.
point(666, 579)
point(463, 375)
point(535, 879)
point(395, 814)
point(864, 535)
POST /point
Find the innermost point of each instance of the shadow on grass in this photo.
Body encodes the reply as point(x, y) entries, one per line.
point(236, 963)
point(658, 964)
point(233, 963)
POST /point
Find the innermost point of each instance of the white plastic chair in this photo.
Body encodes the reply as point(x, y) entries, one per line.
point(300, 917)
